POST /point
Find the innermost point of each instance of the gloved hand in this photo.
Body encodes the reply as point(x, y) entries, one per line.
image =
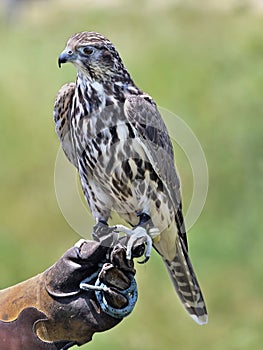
point(51, 311)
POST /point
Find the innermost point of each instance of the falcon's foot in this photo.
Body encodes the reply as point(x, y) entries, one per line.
point(139, 233)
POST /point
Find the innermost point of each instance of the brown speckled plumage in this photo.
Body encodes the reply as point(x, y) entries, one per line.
point(114, 135)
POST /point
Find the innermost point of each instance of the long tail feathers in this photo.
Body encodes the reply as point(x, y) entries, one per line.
point(186, 285)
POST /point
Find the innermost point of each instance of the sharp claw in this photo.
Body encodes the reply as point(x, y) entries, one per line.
point(144, 260)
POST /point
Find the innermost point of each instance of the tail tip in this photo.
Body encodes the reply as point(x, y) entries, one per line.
point(201, 320)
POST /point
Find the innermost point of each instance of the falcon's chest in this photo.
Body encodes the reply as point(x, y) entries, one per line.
point(103, 137)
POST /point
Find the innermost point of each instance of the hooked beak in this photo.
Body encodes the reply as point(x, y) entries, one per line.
point(66, 56)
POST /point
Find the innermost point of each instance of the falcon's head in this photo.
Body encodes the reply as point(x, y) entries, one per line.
point(94, 56)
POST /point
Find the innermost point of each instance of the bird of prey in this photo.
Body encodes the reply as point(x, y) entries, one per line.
point(113, 133)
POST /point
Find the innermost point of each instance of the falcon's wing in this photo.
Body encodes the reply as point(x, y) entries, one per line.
point(152, 134)
point(149, 127)
point(62, 110)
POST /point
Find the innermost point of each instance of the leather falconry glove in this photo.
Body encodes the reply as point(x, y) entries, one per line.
point(89, 289)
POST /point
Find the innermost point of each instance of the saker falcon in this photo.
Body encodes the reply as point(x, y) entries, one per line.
point(113, 133)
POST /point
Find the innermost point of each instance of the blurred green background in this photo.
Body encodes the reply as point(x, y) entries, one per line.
point(205, 65)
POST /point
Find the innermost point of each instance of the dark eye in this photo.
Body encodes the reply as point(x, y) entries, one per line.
point(87, 50)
